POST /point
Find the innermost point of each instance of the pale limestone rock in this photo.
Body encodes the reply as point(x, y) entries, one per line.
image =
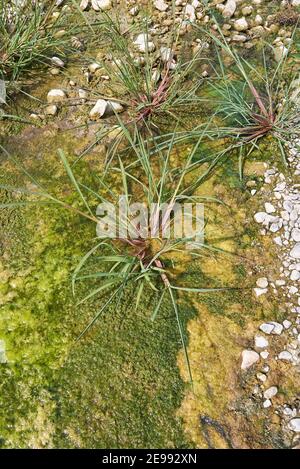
point(280, 52)
point(270, 392)
point(249, 357)
point(229, 9)
point(241, 24)
point(161, 5)
point(99, 109)
point(56, 96)
point(101, 5)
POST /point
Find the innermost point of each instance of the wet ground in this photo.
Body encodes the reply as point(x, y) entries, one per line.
point(125, 383)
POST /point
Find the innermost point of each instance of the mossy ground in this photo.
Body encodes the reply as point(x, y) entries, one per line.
point(125, 383)
point(120, 385)
point(117, 387)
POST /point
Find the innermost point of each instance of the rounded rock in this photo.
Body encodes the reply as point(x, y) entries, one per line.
point(270, 392)
point(241, 24)
point(295, 252)
point(249, 357)
point(56, 96)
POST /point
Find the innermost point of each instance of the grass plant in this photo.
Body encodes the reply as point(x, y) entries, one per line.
point(246, 103)
point(146, 261)
point(154, 87)
point(28, 39)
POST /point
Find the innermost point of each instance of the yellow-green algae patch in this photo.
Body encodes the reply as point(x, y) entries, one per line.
point(117, 387)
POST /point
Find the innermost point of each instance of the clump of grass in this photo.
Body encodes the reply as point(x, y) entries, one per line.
point(149, 83)
point(255, 103)
point(145, 261)
point(27, 39)
point(247, 104)
point(154, 87)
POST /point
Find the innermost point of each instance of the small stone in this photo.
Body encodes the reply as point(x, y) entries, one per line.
point(54, 71)
point(260, 217)
point(261, 342)
point(134, 10)
point(94, 67)
point(294, 425)
point(82, 94)
point(114, 106)
point(51, 110)
point(229, 9)
point(295, 252)
point(99, 109)
point(286, 324)
point(161, 5)
point(249, 357)
point(287, 205)
point(295, 235)
point(34, 116)
point(270, 392)
point(269, 208)
point(280, 52)
point(258, 20)
point(57, 62)
point(260, 291)
point(278, 328)
point(166, 54)
point(143, 43)
point(261, 377)
point(262, 282)
point(276, 226)
point(247, 10)
point(267, 403)
point(239, 38)
point(241, 24)
point(285, 356)
point(266, 328)
point(264, 354)
point(83, 5)
point(259, 31)
point(190, 12)
point(101, 5)
point(56, 96)
point(295, 275)
point(277, 240)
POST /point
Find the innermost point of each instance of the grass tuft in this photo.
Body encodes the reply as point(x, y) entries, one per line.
point(28, 39)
